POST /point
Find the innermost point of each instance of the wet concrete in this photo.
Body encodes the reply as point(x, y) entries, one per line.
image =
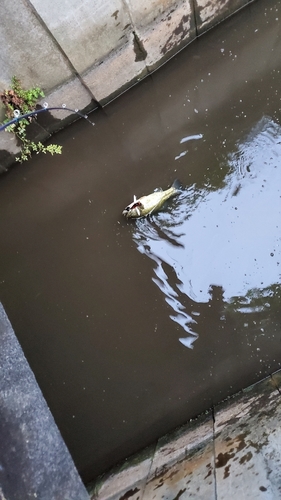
point(132, 328)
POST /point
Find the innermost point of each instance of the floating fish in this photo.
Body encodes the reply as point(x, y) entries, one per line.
point(153, 202)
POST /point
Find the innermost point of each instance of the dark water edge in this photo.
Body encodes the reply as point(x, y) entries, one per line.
point(99, 304)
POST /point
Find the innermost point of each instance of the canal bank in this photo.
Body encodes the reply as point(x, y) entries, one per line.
point(86, 56)
point(231, 451)
point(100, 306)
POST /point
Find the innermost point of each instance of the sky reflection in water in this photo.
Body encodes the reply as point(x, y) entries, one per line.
point(221, 241)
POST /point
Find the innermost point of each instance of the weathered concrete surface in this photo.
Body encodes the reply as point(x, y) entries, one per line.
point(8, 151)
point(162, 28)
point(234, 452)
point(73, 95)
point(88, 31)
point(183, 464)
point(127, 480)
point(94, 51)
point(116, 73)
point(183, 457)
point(208, 13)
point(34, 461)
point(27, 50)
point(248, 445)
point(276, 380)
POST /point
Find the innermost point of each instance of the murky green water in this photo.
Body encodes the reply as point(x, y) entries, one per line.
point(133, 327)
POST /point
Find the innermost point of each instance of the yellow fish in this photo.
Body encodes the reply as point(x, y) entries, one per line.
point(151, 203)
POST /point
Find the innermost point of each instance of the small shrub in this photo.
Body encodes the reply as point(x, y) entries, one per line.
point(18, 99)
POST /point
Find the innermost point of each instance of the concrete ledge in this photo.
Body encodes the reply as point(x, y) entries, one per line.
point(166, 33)
point(28, 51)
point(116, 73)
point(34, 461)
point(86, 33)
point(73, 94)
point(88, 54)
point(208, 13)
point(232, 452)
point(247, 444)
point(9, 149)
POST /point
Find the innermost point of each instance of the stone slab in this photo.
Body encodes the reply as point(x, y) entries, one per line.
point(192, 477)
point(162, 31)
point(117, 73)
point(128, 481)
point(276, 379)
point(34, 460)
point(8, 151)
point(175, 446)
point(73, 95)
point(27, 50)
point(236, 454)
point(208, 13)
point(86, 31)
point(248, 444)
point(182, 461)
point(183, 464)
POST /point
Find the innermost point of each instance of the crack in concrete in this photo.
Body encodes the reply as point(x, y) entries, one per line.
point(63, 53)
point(142, 497)
point(214, 454)
point(193, 8)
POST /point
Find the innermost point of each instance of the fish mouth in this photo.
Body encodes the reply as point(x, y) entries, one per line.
point(132, 212)
point(134, 209)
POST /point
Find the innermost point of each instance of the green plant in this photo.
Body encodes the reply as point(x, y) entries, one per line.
point(23, 101)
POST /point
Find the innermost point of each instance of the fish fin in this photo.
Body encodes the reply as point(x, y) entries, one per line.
point(178, 185)
point(157, 190)
point(135, 199)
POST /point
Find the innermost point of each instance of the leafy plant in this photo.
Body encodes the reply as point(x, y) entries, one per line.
point(23, 101)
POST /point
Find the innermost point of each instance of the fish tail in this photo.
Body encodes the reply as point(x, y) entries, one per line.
point(177, 185)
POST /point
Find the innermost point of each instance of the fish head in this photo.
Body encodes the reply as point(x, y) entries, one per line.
point(133, 210)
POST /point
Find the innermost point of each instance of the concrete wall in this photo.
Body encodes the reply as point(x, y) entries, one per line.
point(86, 53)
point(34, 460)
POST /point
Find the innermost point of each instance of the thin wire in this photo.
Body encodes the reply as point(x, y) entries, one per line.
point(37, 111)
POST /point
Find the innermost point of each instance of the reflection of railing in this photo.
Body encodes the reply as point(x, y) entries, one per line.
point(172, 297)
point(150, 240)
point(19, 117)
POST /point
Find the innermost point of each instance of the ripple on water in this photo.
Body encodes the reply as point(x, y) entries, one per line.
point(226, 237)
